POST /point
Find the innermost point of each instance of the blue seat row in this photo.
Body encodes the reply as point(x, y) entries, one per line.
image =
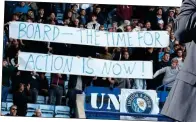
point(47, 110)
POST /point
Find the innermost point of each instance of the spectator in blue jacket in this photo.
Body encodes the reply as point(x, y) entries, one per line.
point(83, 18)
point(23, 8)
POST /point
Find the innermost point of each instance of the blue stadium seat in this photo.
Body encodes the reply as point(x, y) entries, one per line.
point(162, 95)
point(47, 115)
point(66, 84)
point(30, 114)
point(46, 101)
point(59, 16)
point(61, 116)
point(9, 104)
point(41, 100)
point(3, 106)
point(9, 98)
point(48, 77)
point(32, 107)
point(65, 110)
point(4, 112)
point(47, 109)
point(68, 76)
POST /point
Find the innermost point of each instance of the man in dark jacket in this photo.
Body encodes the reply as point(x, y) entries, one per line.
point(8, 71)
point(165, 61)
point(100, 17)
point(43, 84)
point(20, 99)
point(76, 86)
point(152, 55)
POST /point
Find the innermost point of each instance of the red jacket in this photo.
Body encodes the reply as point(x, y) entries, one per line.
point(125, 12)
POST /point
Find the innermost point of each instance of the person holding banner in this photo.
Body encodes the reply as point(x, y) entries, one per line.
point(56, 89)
point(180, 104)
point(102, 81)
point(75, 86)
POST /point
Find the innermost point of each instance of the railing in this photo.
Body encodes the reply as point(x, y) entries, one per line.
point(164, 85)
point(159, 117)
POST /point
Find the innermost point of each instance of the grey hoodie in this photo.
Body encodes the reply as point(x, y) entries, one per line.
point(170, 74)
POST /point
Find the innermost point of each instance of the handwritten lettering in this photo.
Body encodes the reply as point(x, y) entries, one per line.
point(55, 63)
point(89, 67)
point(121, 38)
point(128, 70)
point(84, 66)
point(30, 27)
point(149, 38)
point(30, 60)
point(105, 67)
point(70, 35)
point(157, 38)
point(37, 30)
point(118, 70)
point(68, 64)
point(21, 29)
point(36, 60)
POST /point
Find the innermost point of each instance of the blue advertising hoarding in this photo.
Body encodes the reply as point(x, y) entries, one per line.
point(102, 99)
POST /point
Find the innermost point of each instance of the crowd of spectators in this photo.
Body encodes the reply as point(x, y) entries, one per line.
point(26, 86)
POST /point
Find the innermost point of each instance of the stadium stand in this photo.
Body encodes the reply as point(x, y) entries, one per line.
point(47, 110)
point(147, 20)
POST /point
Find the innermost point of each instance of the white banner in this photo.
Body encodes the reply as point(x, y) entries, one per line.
point(138, 101)
point(70, 35)
point(84, 66)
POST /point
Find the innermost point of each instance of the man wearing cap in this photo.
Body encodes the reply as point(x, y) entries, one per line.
point(180, 104)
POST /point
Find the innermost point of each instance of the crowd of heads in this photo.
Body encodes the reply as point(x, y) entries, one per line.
point(112, 18)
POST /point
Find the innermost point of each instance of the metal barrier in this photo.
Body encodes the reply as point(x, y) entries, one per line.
point(159, 117)
point(163, 94)
point(164, 85)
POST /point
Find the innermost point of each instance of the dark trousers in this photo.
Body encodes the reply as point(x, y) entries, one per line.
point(33, 95)
point(21, 111)
point(55, 94)
point(4, 93)
point(72, 93)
